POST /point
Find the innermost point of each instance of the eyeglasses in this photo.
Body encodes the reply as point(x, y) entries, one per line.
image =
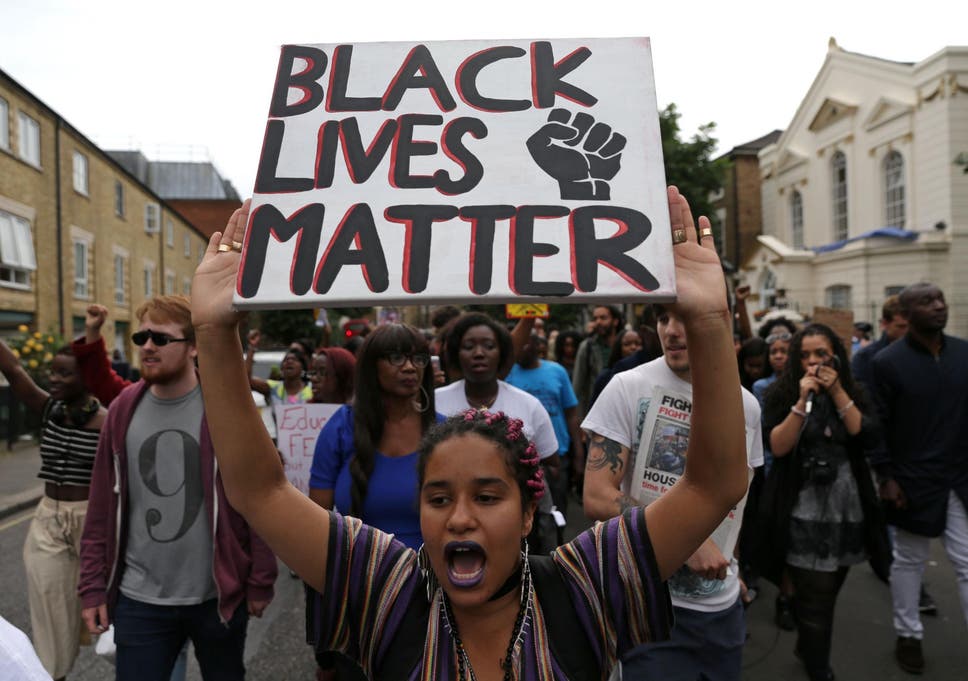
point(774, 337)
point(139, 338)
point(397, 359)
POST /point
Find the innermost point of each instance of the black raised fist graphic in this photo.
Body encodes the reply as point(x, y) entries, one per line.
point(579, 153)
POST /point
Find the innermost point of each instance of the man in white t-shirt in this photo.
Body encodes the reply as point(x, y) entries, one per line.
point(707, 639)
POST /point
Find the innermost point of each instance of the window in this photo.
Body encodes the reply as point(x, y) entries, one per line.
point(80, 173)
point(169, 234)
point(29, 137)
point(149, 280)
point(187, 241)
point(17, 258)
point(894, 190)
point(768, 289)
point(82, 287)
point(119, 296)
point(118, 198)
point(187, 286)
point(892, 290)
point(796, 219)
point(838, 297)
point(152, 218)
point(4, 124)
point(169, 283)
point(122, 331)
point(839, 187)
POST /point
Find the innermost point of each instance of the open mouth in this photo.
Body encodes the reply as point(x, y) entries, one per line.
point(465, 563)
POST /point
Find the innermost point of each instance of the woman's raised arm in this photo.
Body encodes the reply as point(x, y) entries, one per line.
point(293, 526)
point(716, 476)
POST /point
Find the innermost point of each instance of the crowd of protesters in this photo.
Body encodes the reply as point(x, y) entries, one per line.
point(856, 449)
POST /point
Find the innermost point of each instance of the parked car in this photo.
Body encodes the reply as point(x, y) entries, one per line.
point(265, 362)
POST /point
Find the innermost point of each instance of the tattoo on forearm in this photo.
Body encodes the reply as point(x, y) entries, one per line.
point(603, 452)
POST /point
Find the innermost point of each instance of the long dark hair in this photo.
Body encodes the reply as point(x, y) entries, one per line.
point(785, 390)
point(369, 413)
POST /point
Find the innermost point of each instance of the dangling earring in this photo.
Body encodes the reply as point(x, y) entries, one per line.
point(421, 402)
point(423, 562)
point(525, 570)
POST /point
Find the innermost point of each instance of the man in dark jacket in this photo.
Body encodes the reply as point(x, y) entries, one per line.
point(920, 387)
point(163, 554)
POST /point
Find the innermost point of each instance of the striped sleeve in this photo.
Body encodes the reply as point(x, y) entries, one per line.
point(370, 581)
point(615, 586)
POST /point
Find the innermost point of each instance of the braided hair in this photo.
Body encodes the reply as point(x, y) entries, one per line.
point(507, 432)
point(369, 413)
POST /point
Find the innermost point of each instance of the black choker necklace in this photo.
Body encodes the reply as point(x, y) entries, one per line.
point(524, 612)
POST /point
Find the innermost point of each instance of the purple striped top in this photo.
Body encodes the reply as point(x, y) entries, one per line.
point(375, 590)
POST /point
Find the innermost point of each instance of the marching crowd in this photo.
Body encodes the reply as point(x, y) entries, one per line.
point(430, 542)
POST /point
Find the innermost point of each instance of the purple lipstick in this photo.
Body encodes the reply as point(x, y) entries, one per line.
point(465, 563)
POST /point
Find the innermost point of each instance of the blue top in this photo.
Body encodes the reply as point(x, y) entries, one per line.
point(548, 382)
point(391, 498)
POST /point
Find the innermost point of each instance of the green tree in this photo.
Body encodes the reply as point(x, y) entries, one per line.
point(689, 164)
point(281, 327)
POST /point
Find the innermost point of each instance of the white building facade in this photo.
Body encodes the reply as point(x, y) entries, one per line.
point(866, 191)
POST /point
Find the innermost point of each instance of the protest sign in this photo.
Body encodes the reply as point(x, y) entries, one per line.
point(298, 426)
point(460, 171)
point(524, 310)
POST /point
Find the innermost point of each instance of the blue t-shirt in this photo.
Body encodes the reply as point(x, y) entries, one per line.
point(391, 497)
point(549, 382)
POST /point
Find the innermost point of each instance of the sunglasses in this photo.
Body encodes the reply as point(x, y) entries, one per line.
point(160, 339)
point(397, 359)
point(774, 337)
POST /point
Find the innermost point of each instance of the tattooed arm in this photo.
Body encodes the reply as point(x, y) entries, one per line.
point(606, 467)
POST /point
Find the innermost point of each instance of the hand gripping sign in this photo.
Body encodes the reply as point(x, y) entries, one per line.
point(462, 171)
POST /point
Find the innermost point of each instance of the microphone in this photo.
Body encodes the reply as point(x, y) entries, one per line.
point(809, 406)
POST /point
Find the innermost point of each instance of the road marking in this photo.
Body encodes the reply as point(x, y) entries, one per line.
point(16, 521)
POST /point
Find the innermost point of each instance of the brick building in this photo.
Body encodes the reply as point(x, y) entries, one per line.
point(77, 227)
point(737, 208)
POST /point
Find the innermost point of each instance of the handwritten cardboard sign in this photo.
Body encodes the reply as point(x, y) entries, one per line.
point(298, 426)
point(460, 171)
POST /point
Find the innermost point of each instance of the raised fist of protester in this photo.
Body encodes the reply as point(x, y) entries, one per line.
point(254, 337)
point(94, 318)
point(579, 153)
point(700, 285)
point(215, 277)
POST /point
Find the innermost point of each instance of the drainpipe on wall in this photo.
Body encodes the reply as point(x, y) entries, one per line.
point(59, 228)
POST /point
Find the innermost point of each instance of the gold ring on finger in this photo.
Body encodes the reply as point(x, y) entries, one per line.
point(706, 231)
point(678, 236)
point(224, 248)
point(237, 246)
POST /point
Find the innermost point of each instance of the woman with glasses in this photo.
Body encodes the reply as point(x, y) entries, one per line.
point(71, 421)
point(823, 511)
point(365, 459)
point(331, 375)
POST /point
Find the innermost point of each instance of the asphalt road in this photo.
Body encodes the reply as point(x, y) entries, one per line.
point(862, 649)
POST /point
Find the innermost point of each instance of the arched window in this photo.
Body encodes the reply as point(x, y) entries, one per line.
point(894, 189)
point(796, 219)
point(838, 296)
point(838, 166)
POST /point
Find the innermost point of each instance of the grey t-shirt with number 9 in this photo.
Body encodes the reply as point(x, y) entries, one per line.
point(168, 559)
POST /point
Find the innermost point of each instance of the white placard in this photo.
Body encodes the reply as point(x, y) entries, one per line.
point(298, 426)
point(460, 171)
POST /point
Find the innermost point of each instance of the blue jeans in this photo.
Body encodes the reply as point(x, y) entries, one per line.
point(707, 646)
point(149, 638)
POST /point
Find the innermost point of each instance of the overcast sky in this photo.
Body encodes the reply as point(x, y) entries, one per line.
point(181, 76)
